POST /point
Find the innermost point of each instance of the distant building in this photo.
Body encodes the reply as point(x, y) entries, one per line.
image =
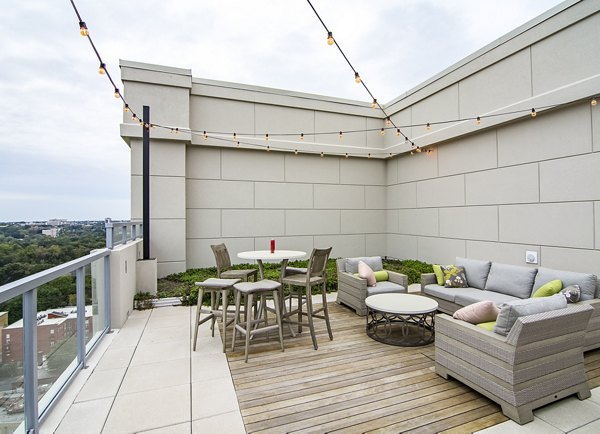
point(57, 222)
point(52, 232)
point(54, 327)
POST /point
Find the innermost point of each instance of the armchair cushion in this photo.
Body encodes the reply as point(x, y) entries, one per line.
point(511, 311)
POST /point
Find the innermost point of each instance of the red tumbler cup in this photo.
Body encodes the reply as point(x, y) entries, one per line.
point(272, 246)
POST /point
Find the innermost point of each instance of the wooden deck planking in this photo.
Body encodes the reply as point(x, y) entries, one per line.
point(355, 384)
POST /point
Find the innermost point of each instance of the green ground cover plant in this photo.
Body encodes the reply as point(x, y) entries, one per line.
point(183, 284)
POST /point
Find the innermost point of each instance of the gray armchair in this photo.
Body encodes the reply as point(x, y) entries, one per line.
point(352, 290)
point(538, 362)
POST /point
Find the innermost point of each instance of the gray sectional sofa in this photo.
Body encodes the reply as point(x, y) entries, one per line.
point(502, 283)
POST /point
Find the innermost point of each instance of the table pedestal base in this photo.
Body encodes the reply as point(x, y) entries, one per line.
point(407, 330)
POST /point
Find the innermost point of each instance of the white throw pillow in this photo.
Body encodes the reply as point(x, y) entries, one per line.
point(365, 272)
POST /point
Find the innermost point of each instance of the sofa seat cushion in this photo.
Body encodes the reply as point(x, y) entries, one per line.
point(511, 280)
point(442, 292)
point(385, 287)
point(374, 262)
point(476, 271)
point(474, 295)
point(587, 282)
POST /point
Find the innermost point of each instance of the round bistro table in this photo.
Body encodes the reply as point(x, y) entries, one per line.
point(401, 319)
point(282, 256)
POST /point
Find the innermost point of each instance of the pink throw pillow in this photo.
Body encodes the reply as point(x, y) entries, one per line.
point(476, 313)
point(365, 272)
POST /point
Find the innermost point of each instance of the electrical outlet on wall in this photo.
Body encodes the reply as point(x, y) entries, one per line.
point(531, 257)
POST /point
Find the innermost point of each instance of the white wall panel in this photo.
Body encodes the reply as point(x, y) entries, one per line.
point(517, 184)
point(470, 154)
point(447, 191)
point(417, 166)
point(339, 196)
point(203, 223)
point(312, 169)
point(312, 222)
point(402, 246)
point(344, 246)
point(505, 253)
point(402, 195)
point(376, 244)
point(283, 195)
point(203, 162)
point(362, 171)
point(240, 164)
point(219, 194)
point(440, 250)
point(555, 224)
point(470, 222)
point(252, 223)
point(569, 179)
point(375, 197)
point(578, 260)
point(418, 222)
point(362, 221)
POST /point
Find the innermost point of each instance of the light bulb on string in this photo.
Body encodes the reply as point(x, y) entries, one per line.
point(478, 120)
point(234, 136)
point(341, 135)
point(83, 30)
point(117, 93)
point(374, 103)
point(594, 102)
point(301, 136)
point(329, 38)
point(237, 144)
point(533, 113)
point(428, 126)
point(398, 132)
point(126, 108)
point(418, 149)
point(267, 137)
point(205, 136)
point(388, 121)
point(322, 154)
point(346, 155)
point(369, 155)
point(268, 149)
point(102, 69)
point(382, 132)
point(177, 130)
point(357, 78)
point(295, 152)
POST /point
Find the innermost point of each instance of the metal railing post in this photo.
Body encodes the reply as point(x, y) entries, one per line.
point(30, 374)
point(108, 308)
point(80, 282)
point(108, 226)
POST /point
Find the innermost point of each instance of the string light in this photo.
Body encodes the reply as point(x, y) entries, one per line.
point(268, 149)
point(117, 93)
point(388, 121)
point(322, 154)
point(418, 149)
point(126, 108)
point(533, 113)
point(341, 135)
point(357, 78)
point(330, 38)
point(83, 30)
point(374, 103)
point(478, 120)
point(398, 132)
point(301, 136)
point(594, 102)
point(237, 145)
point(267, 137)
point(177, 130)
point(234, 136)
point(205, 136)
point(295, 152)
point(382, 132)
point(102, 69)
point(428, 126)
point(369, 155)
point(346, 155)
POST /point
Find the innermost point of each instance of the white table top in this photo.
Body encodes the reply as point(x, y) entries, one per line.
point(401, 303)
point(266, 255)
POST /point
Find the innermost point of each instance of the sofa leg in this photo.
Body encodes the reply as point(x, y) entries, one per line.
point(584, 392)
point(521, 415)
point(441, 371)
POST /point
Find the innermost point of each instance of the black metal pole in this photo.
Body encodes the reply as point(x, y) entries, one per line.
point(146, 180)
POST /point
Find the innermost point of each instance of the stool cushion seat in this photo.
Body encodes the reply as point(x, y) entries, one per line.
point(261, 285)
point(216, 283)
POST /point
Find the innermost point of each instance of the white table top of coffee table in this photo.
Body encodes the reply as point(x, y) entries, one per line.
point(408, 304)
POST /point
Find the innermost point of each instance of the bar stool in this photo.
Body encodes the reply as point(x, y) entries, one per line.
point(216, 287)
point(252, 324)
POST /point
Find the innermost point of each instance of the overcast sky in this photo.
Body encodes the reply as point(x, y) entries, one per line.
point(60, 150)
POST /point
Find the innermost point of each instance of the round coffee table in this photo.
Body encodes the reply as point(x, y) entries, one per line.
point(401, 319)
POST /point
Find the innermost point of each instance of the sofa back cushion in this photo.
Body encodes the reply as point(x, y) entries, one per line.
point(509, 312)
point(374, 262)
point(511, 279)
point(587, 282)
point(476, 271)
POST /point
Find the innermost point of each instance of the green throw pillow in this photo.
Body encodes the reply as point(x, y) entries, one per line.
point(548, 289)
point(439, 274)
point(381, 275)
point(487, 325)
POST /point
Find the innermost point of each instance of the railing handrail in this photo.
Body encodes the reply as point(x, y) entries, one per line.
point(19, 287)
point(133, 234)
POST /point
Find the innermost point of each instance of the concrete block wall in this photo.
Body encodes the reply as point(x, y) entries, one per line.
point(245, 198)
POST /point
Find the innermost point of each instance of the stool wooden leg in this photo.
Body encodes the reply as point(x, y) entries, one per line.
point(225, 302)
point(263, 303)
point(198, 309)
point(325, 311)
point(212, 306)
point(249, 298)
point(299, 312)
point(236, 318)
point(278, 316)
point(309, 309)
